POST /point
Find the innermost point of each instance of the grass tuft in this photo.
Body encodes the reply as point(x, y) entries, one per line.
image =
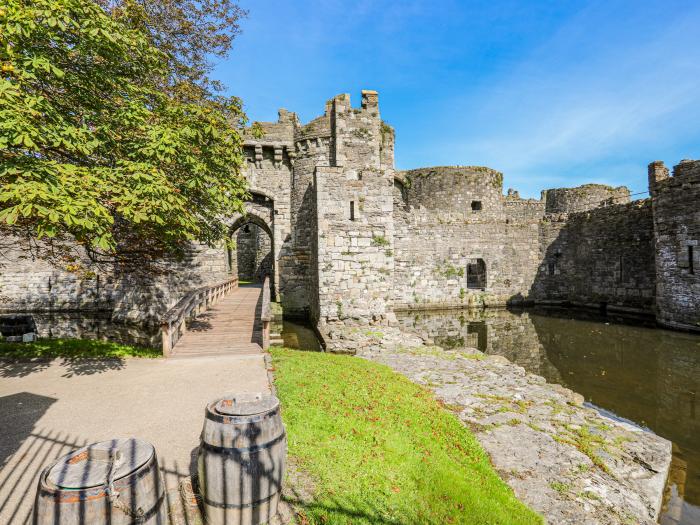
point(73, 348)
point(381, 449)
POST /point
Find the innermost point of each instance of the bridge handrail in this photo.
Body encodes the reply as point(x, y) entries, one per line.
point(173, 321)
point(266, 313)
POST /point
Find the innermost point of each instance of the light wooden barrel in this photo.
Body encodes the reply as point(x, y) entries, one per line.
point(114, 482)
point(241, 460)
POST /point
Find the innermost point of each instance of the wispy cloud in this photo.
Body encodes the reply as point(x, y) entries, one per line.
point(556, 112)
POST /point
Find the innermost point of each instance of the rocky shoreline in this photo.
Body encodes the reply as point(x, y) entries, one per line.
point(564, 459)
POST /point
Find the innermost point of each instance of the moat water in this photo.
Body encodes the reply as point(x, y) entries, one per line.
point(642, 374)
point(638, 373)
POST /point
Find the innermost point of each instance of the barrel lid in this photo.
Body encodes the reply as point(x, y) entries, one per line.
point(247, 404)
point(90, 466)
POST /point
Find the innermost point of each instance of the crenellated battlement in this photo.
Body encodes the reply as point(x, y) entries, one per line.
point(686, 171)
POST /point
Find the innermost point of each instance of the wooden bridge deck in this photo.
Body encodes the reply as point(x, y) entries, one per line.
point(231, 326)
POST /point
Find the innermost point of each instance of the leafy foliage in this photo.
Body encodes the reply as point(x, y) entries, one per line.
point(74, 348)
point(188, 32)
point(92, 145)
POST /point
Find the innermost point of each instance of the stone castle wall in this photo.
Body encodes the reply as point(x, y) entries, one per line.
point(355, 229)
point(447, 219)
point(676, 204)
point(583, 198)
point(600, 257)
point(351, 239)
point(28, 283)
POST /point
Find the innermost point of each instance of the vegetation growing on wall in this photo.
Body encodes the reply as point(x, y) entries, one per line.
point(448, 270)
point(379, 240)
point(387, 132)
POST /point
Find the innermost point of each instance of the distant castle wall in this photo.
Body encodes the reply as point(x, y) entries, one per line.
point(676, 204)
point(601, 257)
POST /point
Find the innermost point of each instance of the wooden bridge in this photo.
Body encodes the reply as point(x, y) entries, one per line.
point(224, 318)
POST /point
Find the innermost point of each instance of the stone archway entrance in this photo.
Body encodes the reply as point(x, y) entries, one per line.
point(255, 248)
point(476, 274)
point(253, 255)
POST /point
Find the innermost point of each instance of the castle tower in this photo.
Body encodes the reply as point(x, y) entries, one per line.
point(354, 234)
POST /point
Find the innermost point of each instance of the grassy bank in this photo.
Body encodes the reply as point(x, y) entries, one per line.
point(379, 449)
point(73, 348)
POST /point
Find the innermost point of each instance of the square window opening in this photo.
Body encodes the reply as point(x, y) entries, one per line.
point(691, 260)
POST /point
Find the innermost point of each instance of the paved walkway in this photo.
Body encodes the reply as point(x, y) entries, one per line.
point(232, 326)
point(48, 408)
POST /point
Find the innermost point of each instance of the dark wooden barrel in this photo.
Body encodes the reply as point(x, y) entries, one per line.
point(241, 459)
point(114, 482)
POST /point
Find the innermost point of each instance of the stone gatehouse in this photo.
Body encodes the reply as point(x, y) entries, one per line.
point(348, 238)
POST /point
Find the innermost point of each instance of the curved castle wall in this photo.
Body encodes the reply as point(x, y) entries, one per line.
point(583, 198)
point(449, 219)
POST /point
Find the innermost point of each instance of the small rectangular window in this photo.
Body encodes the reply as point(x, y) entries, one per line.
point(622, 266)
point(476, 205)
point(691, 262)
point(352, 210)
point(551, 267)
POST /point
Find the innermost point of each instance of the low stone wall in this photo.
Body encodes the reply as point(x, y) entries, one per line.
point(28, 283)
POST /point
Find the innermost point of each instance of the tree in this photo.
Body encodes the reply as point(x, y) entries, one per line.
point(93, 149)
point(189, 32)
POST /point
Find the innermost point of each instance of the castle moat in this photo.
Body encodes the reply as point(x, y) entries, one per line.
point(638, 373)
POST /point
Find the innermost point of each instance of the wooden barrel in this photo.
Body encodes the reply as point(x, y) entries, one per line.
point(114, 482)
point(241, 459)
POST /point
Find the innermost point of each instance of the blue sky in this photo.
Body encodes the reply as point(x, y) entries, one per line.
point(552, 93)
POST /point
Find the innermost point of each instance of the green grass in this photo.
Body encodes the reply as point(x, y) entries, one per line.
point(73, 348)
point(380, 449)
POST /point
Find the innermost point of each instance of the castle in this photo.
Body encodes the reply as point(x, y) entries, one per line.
point(351, 239)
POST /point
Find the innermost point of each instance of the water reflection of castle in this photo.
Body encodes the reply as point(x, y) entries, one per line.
point(647, 375)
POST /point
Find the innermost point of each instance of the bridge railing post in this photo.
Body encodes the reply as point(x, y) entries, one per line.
point(167, 342)
point(266, 313)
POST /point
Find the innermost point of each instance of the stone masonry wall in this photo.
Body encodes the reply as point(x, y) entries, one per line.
point(449, 218)
point(353, 203)
point(521, 246)
point(676, 203)
point(28, 283)
point(601, 257)
point(427, 238)
point(313, 148)
point(583, 198)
